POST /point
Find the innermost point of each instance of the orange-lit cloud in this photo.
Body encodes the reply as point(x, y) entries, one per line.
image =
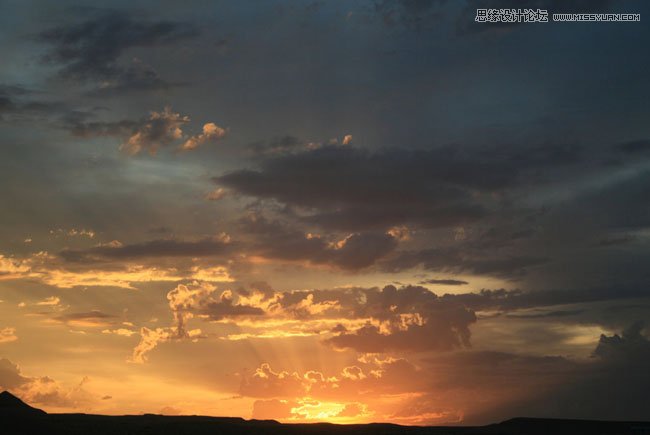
point(164, 128)
point(42, 390)
point(7, 335)
point(216, 194)
point(211, 132)
point(54, 271)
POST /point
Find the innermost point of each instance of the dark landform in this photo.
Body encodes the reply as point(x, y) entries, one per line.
point(19, 418)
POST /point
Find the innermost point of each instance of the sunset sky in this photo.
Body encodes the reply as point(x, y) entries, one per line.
point(345, 211)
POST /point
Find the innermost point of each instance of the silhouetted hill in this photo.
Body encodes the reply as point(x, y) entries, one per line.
point(12, 405)
point(36, 421)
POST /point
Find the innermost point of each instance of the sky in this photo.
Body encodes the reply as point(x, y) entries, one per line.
point(345, 211)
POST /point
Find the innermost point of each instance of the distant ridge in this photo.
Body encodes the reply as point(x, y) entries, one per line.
point(11, 405)
point(16, 413)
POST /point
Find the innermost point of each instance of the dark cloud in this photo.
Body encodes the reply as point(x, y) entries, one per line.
point(438, 335)
point(90, 50)
point(384, 304)
point(353, 188)
point(8, 96)
point(620, 207)
point(213, 246)
point(79, 124)
point(274, 239)
point(558, 313)
point(444, 282)
point(399, 308)
point(226, 309)
point(458, 260)
point(630, 347)
point(270, 239)
point(616, 372)
point(415, 319)
point(561, 387)
point(7, 90)
point(508, 300)
point(18, 103)
point(277, 145)
point(616, 240)
point(633, 147)
point(21, 104)
point(90, 318)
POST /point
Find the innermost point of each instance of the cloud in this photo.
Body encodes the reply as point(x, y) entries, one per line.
point(43, 391)
point(10, 375)
point(508, 300)
point(211, 132)
point(7, 335)
point(557, 313)
point(124, 332)
point(446, 330)
point(206, 247)
point(633, 147)
point(408, 319)
point(280, 145)
point(119, 265)
point(444, 282)
point(216, 194)
point(352, 393)
point(162, 128)
point(453, 387)
point(267, 383)
point(11, 268)
point(274, 239)
point(21, 104)
point(575, 389)
point(352, 410)
point(90, 49)
point(50, 301)
point(433, 187)
point(203, 299)
point(94, 319)
point(73, 232)
point(631, 345)
point(497, 199)
point(196, 299)
point(372, 376)
point(149, 339)
point(466, 259)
